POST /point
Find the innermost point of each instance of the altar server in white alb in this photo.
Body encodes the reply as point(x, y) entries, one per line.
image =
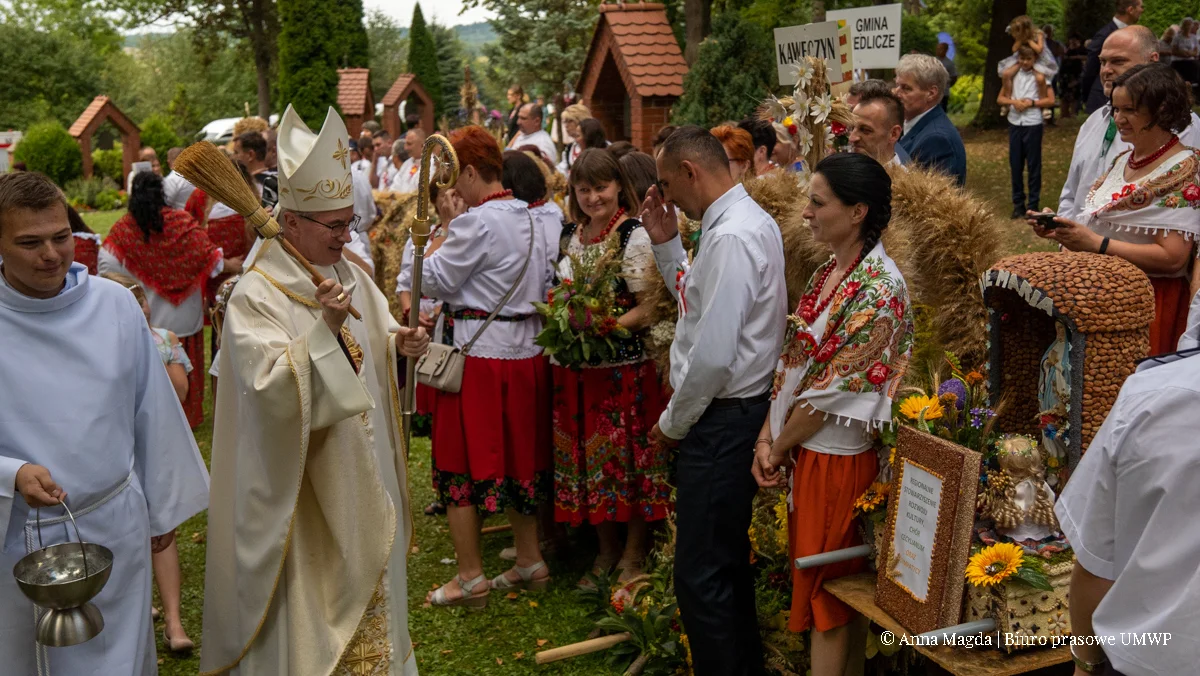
point(310, 520)
point(87, 414)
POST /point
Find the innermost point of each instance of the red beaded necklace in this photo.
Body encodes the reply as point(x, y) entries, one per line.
point(1136, 164)
point(536, 204)
point(608, 228)
point(810, 308)
point(495, 196)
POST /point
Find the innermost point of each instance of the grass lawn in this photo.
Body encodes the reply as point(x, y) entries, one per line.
point(503, 638)
point(101, 221)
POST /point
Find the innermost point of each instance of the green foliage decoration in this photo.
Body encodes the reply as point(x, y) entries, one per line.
point(423, 59)
point(159, 133)
point(47, 148)
point(712, 91)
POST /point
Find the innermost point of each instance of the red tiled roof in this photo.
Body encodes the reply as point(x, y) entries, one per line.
point(402, 87)
point(101, 107)
point(644, 46)
point(354, 91)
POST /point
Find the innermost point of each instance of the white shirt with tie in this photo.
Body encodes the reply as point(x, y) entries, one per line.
point(732, 309)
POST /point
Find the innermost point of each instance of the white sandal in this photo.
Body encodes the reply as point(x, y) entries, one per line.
point(469, 598)
point(501, 581)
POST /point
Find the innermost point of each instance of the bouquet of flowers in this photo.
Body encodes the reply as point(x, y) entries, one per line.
point(581, 326)
point(958, 411)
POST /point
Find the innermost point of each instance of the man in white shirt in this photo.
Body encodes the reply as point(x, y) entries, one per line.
point(407, 177)
point(732, 312)
point(529, 122)
point(176, 188)
point(1129, 512)
point(382, 142)
point(878, 125)
point(1098, 143)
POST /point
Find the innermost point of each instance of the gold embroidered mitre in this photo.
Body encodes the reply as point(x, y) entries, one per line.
point(314, 169)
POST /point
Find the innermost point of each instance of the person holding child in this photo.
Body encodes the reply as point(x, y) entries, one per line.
point(1026, 93)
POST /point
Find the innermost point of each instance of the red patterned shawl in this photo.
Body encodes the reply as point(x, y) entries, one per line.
point(174, 263)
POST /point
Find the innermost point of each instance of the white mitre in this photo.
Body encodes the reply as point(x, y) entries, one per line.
point(314, 169)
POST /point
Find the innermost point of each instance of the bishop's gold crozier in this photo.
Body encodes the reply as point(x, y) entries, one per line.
point(420, 237)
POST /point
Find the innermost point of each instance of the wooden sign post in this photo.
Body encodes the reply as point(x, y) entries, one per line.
point(928, 538)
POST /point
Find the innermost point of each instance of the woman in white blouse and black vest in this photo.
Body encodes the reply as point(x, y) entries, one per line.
point(607, 469)
point(491, 449)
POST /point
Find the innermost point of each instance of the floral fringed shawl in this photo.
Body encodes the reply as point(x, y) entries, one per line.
point(1164, 201)
point(854, 368)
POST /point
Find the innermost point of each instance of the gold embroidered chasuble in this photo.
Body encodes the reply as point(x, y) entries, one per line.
point(310, 522)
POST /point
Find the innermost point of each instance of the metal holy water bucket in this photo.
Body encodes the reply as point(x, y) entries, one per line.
point(63, 579)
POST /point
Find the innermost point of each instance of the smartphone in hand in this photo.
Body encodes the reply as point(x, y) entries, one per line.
point(1046, 221)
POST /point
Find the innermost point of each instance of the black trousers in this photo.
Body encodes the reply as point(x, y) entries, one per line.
point(713, 578)
point(1025, 150)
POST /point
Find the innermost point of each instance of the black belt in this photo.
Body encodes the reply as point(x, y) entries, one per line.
point(743, 401)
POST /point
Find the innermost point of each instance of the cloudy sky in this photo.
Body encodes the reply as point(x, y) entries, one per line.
point(445, 11)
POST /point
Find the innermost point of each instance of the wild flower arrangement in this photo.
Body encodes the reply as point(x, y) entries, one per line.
point(581, 326)
point(958, 411)
point(818, 123)
point(1006, 561)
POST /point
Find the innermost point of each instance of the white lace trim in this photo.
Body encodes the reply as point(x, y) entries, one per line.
point(88, 235)
point(498, 352)
point(503, 205)
point(1142, 229)
point(845, 420)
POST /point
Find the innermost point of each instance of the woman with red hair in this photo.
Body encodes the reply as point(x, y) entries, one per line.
point(739, 146)
point(491, 440)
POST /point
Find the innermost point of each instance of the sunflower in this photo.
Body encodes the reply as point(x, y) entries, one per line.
point(912, 407)
point(994, 564)
point(873, 497)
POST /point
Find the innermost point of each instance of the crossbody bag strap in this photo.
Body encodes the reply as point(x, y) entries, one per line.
point(511, 290)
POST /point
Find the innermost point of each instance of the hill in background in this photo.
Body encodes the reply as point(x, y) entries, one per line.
point(473, 35)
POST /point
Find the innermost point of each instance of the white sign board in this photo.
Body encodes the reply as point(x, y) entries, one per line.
point(874, 34)
point(815, 39)
point(916, 523)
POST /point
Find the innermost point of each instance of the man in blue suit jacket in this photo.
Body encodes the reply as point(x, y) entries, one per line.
point(929, 136)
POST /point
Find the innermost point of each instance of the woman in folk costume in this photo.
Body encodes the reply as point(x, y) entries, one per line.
point(739, 146)
point(607, 470)
point(168, 253)
point(491, 440)
point(1146, 209)
point(87, 242)
point(309, 525)
point(846, 351)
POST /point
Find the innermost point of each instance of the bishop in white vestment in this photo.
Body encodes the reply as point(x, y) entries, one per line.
point(86, 404)
point(310, 521)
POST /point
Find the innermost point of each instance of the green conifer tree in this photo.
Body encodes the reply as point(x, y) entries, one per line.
point(308, 62)
point(423, 59)
point(351, 47)
point(712, 91)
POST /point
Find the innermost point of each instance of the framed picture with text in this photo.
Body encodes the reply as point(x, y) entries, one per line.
point(927, 540)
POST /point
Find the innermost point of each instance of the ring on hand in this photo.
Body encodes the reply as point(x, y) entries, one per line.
point(341, 297)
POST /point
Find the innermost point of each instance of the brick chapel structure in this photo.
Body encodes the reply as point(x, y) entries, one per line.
point(633, 73)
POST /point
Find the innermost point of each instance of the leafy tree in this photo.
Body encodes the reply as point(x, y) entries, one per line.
point(422, 59)
point(158, 133)
point(451, 59)
point(541, 43)
point(968, 21)
point(916, 34)
point(1162, 13)
point(712, 91)
point(308, 76)
point(1049, 12)
point(83, 19)
point(109, 163)
point(46, 75)
point(351, 42)
point(254, 22)
point(49, 149)
point(387, 50)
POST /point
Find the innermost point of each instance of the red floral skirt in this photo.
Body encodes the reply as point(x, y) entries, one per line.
point(491, 440)
point(193, 406)
point(606, 468)
point(1171, 304)
point(824, 489)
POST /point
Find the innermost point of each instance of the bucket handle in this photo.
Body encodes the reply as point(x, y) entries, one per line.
point(38, 517)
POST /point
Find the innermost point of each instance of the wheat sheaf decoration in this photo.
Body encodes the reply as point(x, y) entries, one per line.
point(818, 122)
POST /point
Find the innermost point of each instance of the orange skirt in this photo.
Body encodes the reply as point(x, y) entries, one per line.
point(1171, 303)
point(825, 488)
